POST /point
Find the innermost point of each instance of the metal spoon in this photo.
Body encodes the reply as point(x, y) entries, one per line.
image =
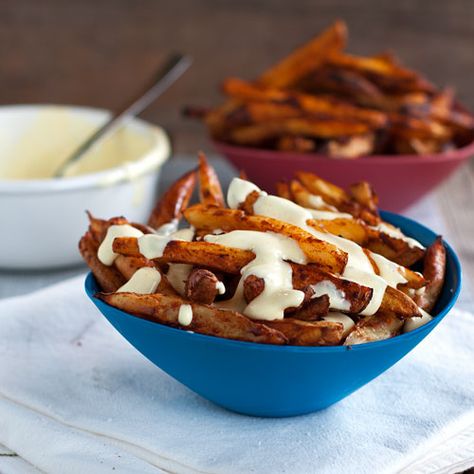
point(175, 66)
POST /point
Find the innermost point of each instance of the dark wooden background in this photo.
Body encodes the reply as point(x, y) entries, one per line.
point(97, 52)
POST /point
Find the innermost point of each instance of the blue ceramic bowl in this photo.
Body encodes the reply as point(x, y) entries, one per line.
point(269, 380)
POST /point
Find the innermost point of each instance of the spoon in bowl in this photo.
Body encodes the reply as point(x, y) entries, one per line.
point(174, 67)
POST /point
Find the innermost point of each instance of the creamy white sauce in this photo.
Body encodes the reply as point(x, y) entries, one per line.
point(271, 250)
point(153, 245)
point(414, 323)
point(168, 228)
point(337, 298)
point(105, 252)
point(238, 190)
point(185, 315)
point(342, 318)
point(317, 202)
point(177, 275)
point(358, 269)
point(144, 281)
point(328, 215)
point(220, 288)
point(396, 233)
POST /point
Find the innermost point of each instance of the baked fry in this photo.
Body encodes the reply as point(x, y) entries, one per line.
point(434, 271)
point(207, 320)
point(210, 191)
point(382, 325)
point(203, 254)
point(109, 278)
point(309, 333)
point(313, 127)
point(172, 204)
point(317, 251)
point(307, 58)
point(265, 103)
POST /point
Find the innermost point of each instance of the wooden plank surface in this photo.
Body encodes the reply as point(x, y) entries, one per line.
point(98, 52)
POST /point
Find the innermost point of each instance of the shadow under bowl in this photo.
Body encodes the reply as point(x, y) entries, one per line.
point(269, 380)
point(399, 180)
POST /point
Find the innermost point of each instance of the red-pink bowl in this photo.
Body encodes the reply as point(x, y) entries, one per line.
point(399, 180)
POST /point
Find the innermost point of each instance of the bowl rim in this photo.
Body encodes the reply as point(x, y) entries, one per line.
point(269, 154)
point(149, 161)
point(90, 286)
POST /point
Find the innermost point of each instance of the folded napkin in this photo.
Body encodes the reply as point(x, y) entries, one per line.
point(75, 397)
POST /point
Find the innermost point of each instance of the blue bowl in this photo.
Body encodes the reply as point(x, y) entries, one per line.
point(269, 380)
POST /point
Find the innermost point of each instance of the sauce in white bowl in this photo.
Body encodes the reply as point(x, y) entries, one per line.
point(45, 215)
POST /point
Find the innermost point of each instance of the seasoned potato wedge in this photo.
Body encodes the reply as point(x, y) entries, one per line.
point(207, 320)
point(309, 333)
point(170, 207)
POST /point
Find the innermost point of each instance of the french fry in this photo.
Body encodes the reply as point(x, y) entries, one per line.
point(283, 190)
point(303, 197)
point(434, 270)
point(127, 265)
point(204, 254)
point(264, 103)
point(357, 296)
point(308, 333)
point(325, 128)
point(174, 201)
point(210, 191)
point(316, 251)
point(296, 144)
point(382, 325)
point(351, 147)
point(307, 58)
point(207, 320)
point(332, 194)
point(109, 278)
point(386, 74)
point(351, 85)
point(363, 193)
point(312, 310)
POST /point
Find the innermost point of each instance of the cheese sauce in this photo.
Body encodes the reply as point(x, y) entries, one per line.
point(185, 315)
point(271, 250)
point(177, 275)
point(105, 253)
point(144, 282)
point(153, 245)
point(337, 317)
point(358, 269)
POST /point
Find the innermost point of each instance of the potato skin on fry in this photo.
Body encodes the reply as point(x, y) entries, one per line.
point(306, 333)
point(210, 191)
point(207, 320)
point(174, 201)
point(434, 272)
point(109, 278)
point(382, 325)
point(326, 255)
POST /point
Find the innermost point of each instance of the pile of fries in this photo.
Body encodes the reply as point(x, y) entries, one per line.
point(315, 265)
point(320, 99)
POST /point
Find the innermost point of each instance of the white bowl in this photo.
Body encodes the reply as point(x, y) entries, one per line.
point(43, 219)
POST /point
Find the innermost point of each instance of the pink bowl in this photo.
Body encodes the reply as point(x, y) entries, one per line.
point(398, 180)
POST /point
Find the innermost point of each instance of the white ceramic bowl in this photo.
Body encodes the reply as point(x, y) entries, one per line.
point(43, 219)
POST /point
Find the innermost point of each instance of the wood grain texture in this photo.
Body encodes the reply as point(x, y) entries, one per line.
point(98, 52)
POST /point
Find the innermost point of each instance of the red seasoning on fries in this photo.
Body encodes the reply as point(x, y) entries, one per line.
point(320, 99)
point(314, 266)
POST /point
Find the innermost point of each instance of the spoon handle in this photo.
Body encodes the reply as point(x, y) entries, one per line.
point(175, 66)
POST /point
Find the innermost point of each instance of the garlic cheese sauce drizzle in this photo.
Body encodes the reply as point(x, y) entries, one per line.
point(144, 281)
point(359, 269)
point(271, 250)
point(272, 253)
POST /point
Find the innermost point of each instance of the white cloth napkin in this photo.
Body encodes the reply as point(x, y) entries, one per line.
point(75, 397)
